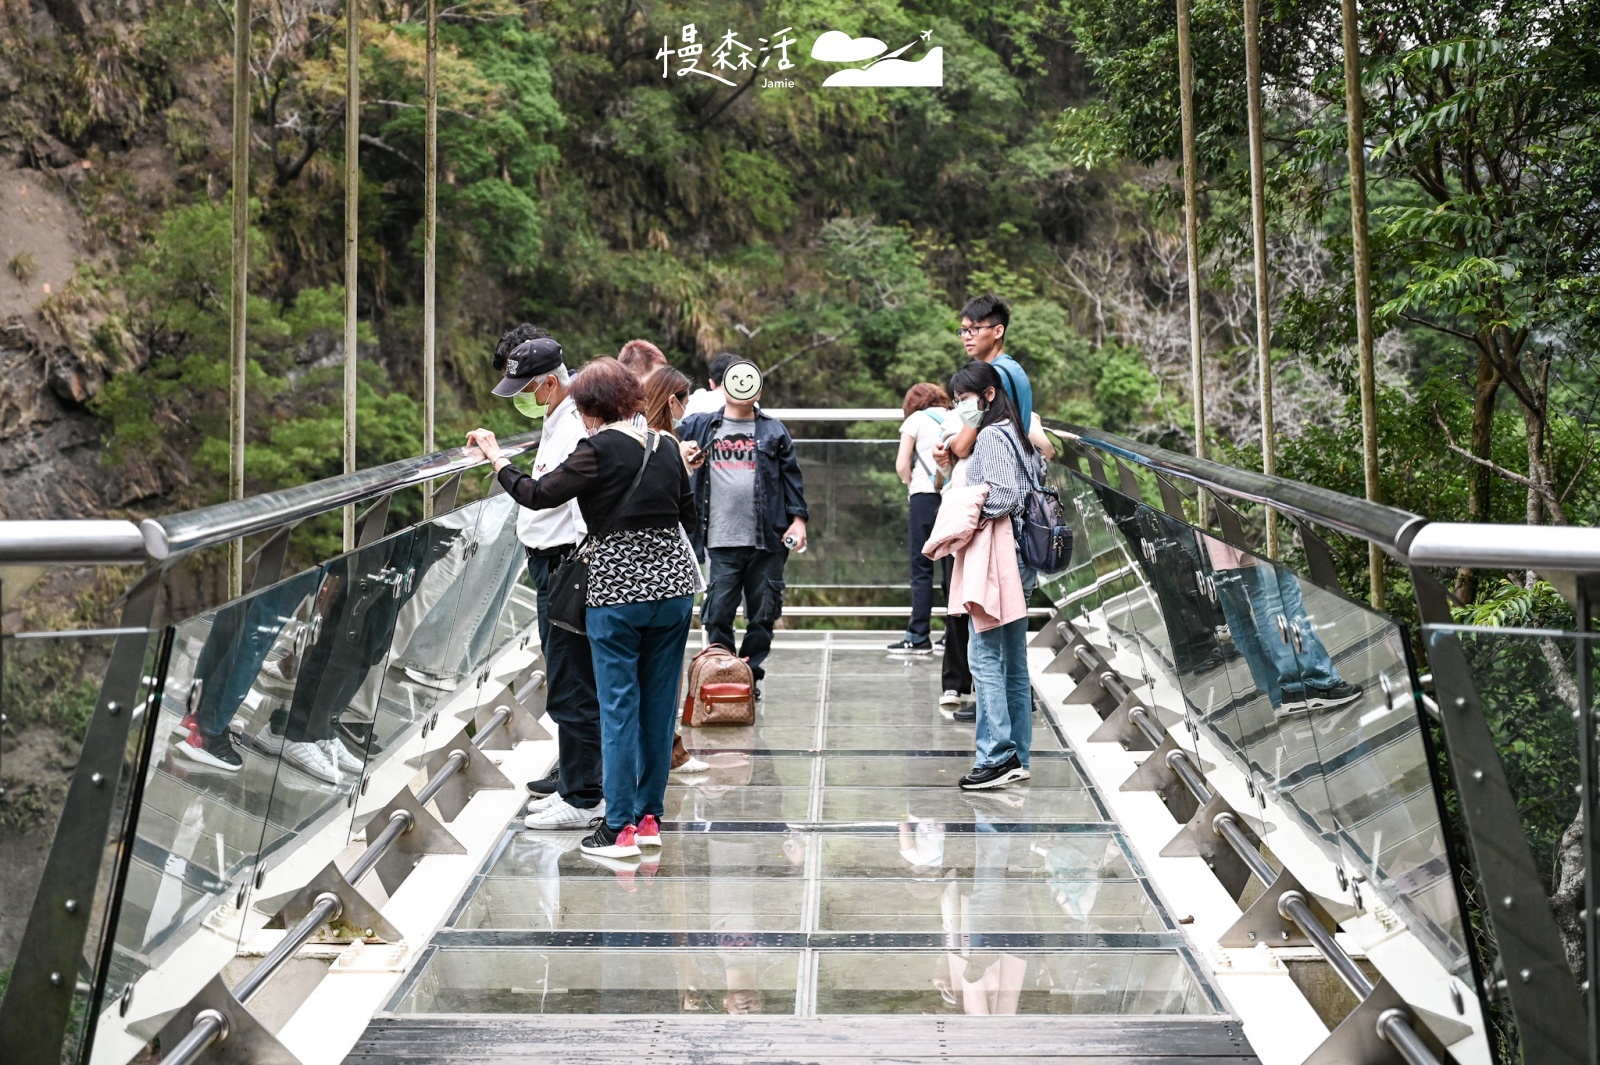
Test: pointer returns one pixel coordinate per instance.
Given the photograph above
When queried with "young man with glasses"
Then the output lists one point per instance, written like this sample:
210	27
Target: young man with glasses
984	323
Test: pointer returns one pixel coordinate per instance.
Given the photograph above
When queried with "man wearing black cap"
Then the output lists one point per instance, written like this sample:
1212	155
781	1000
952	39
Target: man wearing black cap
569	800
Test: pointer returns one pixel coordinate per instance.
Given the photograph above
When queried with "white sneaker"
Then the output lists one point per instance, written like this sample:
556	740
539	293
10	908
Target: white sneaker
432	680
340	755
693	765
951	697
561	815
535	805
269	741
311	758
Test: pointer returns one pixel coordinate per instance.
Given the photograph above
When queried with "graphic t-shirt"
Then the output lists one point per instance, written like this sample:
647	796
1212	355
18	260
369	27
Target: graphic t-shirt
733	485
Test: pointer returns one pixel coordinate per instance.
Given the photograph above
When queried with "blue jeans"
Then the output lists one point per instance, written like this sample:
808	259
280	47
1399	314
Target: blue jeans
242	634
1253	599
999	662
638	657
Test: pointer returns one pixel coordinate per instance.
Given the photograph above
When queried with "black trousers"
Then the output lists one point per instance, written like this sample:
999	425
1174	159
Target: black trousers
756	577
570	698
922	511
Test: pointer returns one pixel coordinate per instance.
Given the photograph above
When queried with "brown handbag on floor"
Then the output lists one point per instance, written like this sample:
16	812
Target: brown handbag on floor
721	690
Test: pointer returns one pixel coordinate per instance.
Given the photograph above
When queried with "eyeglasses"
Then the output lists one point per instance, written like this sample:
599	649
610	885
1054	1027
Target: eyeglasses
972	330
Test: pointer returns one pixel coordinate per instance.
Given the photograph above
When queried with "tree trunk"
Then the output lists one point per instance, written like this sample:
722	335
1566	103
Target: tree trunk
1479	477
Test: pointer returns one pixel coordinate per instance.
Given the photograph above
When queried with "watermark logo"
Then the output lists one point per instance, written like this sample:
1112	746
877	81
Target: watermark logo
880	71
729	57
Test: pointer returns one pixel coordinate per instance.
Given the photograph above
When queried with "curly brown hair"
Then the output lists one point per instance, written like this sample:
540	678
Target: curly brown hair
607	390
660	387
924	395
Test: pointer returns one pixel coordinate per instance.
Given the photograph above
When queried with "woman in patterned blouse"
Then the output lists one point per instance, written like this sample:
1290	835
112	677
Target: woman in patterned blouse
642	580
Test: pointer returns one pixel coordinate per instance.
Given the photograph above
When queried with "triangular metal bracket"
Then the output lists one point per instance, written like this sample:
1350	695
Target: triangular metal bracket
359	918
246	1042
1067	660
1155	774
1262	923
1356	1040
427	836
478	773
1091	691
1198	839
523	725
1119	726
1171	498
1056	632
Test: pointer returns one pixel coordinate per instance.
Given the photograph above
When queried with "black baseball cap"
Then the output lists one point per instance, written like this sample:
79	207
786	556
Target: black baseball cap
530	359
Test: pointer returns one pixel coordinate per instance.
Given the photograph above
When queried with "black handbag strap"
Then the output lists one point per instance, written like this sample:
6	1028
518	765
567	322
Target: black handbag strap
651	440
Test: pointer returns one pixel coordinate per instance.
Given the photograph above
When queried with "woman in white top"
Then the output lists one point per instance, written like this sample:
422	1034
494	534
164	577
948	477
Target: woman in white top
926	408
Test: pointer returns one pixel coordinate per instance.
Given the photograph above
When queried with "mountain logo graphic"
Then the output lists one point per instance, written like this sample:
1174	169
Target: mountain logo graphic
882	71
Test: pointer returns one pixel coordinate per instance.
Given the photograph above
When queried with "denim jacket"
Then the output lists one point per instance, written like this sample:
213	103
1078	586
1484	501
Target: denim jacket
780	491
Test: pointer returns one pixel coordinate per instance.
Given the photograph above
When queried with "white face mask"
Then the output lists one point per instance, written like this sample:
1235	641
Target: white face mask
967	410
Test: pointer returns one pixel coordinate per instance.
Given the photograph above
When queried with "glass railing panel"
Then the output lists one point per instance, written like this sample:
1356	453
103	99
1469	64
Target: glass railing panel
332	726
857	528
1359	703
50	685
205	804
490	613
1528	683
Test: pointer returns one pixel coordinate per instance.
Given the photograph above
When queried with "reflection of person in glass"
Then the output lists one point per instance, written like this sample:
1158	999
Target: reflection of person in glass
235	650
983	980
1264	610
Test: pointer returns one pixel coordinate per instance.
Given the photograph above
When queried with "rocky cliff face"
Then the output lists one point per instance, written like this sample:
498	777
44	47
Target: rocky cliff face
49	441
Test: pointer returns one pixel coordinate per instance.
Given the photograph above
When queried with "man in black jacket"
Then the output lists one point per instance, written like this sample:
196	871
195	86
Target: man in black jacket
751	512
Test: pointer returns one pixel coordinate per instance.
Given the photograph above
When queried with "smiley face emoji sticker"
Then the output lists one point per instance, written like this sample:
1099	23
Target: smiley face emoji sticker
742	381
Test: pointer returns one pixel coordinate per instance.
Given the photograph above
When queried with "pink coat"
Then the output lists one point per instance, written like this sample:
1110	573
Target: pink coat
985	583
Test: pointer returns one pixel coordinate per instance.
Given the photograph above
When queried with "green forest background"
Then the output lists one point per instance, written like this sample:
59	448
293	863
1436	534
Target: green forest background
831	234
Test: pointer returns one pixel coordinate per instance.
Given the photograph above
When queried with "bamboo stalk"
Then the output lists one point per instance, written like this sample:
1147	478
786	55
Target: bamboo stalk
430	152
1361	255
239	297
1258	218
1191	237
352	208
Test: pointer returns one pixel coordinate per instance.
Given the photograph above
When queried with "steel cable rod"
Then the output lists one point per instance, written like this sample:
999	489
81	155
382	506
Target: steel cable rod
210	1026
1394	1025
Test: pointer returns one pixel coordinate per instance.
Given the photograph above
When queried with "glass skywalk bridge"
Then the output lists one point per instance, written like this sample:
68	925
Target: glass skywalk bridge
1257	826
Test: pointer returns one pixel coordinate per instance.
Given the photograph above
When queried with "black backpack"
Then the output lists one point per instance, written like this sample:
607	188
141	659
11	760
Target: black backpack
1045	542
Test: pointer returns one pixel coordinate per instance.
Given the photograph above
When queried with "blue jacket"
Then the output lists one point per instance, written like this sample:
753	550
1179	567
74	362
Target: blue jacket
780	490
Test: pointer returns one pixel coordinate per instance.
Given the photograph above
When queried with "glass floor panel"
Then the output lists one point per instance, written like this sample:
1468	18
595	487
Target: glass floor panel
846	876
995	982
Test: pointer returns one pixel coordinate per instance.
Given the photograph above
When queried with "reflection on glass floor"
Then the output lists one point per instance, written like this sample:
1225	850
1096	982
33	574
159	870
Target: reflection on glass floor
827	864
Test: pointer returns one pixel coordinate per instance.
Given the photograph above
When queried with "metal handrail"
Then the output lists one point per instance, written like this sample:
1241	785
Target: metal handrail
96	542
1408	537
83	542
1390	528
208	526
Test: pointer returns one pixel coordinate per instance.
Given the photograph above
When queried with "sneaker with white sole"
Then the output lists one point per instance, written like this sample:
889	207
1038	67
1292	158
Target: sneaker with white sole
648	831
907	646
216	752
347	762
693	765
608	842
559	815
950	697
995	776
311	759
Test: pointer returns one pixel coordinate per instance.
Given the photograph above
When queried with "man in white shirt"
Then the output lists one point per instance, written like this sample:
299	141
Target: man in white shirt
711	400
571	796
